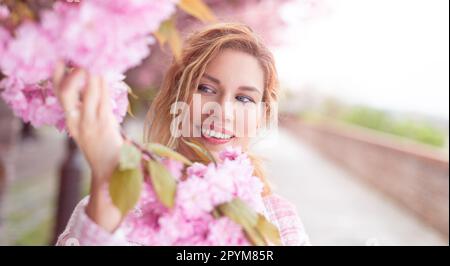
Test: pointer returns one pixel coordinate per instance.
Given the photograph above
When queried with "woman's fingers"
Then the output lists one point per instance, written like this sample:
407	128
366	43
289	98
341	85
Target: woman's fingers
94	103
69	89
91	100
58	75
104	108
68	93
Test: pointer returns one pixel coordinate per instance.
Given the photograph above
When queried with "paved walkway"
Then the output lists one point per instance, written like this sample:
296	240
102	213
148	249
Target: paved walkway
336	208
29	202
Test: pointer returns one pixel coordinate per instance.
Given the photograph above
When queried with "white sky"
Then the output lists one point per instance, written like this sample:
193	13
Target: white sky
387	53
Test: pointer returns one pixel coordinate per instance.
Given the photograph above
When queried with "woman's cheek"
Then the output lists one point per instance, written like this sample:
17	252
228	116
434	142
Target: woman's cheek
241	141
246	122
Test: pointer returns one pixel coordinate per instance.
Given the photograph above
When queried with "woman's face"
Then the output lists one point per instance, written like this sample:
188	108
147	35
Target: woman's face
228	101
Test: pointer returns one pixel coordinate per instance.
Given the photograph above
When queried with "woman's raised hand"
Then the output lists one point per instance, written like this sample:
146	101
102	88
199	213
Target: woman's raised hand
90	121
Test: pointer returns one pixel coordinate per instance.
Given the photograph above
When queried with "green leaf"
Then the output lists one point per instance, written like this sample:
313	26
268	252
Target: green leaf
255	236
130	92
164	151
268	230
125	188
198	9
130	157
168	32
129	110
163	183
216	213
203	153
20	12
238	211
130	95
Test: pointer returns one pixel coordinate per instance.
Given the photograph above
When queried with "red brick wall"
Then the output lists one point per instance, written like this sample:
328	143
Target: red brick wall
415	175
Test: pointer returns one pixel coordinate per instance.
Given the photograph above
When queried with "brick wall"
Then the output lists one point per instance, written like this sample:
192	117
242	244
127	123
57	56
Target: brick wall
415	175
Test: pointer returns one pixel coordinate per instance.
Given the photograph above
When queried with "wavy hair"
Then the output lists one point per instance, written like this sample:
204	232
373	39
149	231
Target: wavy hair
183	76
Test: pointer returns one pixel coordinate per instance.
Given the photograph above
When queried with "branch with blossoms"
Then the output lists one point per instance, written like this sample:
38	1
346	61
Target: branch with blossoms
205	202
104	37
180	202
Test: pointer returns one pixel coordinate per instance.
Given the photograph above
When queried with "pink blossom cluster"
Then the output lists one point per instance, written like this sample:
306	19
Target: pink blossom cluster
105	37
4	12
190	221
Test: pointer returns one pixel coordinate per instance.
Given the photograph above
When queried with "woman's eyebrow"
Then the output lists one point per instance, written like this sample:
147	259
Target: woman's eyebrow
249	88
217	81
213	79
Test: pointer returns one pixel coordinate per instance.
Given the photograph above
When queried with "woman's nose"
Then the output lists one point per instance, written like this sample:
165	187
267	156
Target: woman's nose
226	104
223	112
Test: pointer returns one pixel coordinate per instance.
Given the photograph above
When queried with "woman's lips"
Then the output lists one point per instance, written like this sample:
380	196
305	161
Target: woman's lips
215	141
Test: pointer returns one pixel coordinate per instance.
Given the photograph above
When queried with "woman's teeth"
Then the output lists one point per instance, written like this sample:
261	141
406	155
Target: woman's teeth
214	134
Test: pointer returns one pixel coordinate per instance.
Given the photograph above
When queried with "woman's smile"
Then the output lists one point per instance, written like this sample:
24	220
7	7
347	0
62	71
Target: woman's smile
215	136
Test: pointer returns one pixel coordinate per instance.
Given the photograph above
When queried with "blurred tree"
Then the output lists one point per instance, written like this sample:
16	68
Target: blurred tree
69	190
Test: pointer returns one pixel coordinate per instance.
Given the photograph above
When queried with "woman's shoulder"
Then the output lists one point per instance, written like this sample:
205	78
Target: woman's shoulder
284	214
280	206
277	201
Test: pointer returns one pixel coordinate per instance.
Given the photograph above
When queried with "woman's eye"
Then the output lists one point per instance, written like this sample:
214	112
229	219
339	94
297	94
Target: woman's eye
205	89
245	99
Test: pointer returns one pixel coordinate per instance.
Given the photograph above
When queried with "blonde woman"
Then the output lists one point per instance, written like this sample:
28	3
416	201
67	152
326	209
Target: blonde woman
222	64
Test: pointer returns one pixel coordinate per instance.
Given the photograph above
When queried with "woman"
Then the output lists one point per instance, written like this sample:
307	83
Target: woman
220	65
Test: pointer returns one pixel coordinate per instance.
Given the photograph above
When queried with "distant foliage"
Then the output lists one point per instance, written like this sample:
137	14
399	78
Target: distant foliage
420	131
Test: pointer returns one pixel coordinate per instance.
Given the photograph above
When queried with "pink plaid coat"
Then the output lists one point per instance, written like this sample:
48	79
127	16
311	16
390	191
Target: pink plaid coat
81	230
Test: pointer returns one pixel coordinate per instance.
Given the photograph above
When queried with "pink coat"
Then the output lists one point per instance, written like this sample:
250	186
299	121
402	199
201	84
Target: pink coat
81	230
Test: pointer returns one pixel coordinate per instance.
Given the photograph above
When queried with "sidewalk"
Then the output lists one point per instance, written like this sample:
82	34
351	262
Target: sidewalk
336	208
30	200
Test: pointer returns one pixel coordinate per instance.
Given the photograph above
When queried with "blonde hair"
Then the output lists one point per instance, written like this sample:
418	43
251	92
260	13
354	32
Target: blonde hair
183	77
